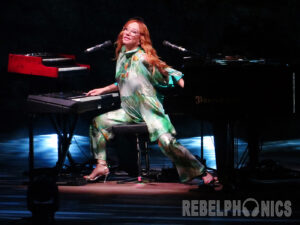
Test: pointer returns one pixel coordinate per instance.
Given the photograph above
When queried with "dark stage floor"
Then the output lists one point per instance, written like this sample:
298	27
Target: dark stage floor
157	202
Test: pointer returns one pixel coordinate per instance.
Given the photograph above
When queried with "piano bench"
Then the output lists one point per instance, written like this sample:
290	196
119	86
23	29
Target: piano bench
140	131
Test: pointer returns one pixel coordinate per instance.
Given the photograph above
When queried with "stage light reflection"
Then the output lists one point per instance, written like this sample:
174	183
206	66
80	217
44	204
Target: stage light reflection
193	144
45	149
14	152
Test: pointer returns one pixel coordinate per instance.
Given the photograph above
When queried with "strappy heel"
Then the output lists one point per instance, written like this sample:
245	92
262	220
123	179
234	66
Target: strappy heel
99	172
212	181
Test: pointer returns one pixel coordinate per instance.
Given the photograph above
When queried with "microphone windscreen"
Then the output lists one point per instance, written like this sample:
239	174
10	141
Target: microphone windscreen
166	43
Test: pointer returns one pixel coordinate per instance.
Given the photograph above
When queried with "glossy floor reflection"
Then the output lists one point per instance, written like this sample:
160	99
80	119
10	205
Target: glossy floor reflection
130	203
45	152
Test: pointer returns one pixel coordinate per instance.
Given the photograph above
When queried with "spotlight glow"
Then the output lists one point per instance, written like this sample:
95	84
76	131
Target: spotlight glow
193	144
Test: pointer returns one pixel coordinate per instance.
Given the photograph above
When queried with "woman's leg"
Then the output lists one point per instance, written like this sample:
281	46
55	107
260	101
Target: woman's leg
100	133
187	165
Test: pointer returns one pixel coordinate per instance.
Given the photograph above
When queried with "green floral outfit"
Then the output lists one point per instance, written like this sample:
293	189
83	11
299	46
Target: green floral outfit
140	102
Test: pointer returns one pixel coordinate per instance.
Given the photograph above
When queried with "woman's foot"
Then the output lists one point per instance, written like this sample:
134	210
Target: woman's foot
100	171
212	181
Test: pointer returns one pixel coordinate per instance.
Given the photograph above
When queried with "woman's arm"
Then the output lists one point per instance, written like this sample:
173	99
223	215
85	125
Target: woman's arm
107	89
159	76
181	83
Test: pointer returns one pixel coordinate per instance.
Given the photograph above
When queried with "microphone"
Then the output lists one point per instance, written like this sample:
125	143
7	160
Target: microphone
98	47
179	48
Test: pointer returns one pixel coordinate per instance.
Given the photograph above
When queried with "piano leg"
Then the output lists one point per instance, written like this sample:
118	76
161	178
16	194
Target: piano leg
253	128
224	149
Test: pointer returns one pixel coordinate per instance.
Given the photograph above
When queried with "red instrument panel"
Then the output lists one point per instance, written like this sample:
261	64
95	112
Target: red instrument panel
43	64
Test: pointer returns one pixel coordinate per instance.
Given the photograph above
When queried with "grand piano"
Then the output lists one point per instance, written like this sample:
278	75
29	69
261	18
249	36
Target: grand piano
228	90
236	87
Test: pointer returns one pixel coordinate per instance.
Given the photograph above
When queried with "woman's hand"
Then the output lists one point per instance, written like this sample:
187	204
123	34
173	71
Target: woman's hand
181	83
97	91
104	90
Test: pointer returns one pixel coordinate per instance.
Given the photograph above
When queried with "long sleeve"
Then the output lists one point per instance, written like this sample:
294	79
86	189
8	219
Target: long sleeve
162	82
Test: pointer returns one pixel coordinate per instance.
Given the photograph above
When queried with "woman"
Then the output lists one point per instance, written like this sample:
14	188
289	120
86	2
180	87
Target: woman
139	72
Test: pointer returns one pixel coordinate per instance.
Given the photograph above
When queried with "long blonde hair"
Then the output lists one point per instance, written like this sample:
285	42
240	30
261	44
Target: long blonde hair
146	44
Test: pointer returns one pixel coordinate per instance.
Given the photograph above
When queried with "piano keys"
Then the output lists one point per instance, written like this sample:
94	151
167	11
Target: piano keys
72	102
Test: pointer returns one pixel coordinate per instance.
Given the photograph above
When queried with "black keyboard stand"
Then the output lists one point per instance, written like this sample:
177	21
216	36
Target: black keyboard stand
64	114
64	125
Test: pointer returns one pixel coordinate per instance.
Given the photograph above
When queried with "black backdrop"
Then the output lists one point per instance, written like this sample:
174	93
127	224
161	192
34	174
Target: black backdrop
251	28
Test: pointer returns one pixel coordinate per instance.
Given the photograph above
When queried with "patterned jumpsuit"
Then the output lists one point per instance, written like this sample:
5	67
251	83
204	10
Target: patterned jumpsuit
140	102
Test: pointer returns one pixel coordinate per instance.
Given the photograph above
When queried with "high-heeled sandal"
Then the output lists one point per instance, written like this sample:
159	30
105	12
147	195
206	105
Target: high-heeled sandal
101	171
212	181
